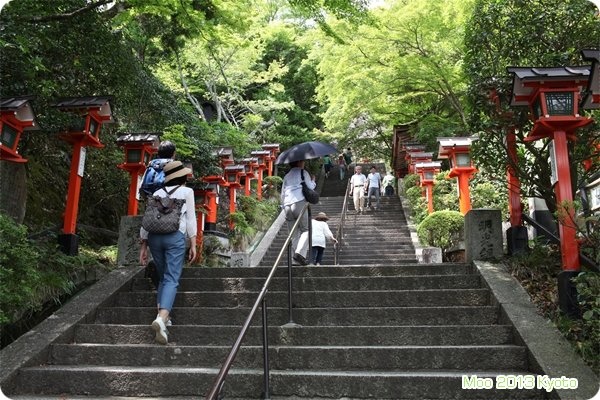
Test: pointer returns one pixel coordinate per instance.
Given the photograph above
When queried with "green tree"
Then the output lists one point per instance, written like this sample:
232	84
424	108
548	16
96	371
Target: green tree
516	33
405	66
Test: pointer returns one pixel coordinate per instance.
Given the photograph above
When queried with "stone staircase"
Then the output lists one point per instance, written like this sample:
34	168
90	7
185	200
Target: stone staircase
405	331
378	326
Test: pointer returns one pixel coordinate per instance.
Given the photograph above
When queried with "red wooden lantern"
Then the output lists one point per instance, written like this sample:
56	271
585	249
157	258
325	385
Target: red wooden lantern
225	156
273	148
553	97
263	159
457	151
418	157
139	149
16	116
233	176
212	200
250	167
427	172
90	114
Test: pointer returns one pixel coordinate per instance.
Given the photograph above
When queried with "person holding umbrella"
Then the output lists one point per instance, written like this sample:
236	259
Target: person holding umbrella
293	201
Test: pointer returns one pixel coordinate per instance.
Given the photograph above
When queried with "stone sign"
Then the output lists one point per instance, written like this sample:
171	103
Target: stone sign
483	234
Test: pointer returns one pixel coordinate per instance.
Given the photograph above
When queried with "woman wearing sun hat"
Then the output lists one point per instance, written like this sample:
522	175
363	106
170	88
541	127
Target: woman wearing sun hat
168	250
320	234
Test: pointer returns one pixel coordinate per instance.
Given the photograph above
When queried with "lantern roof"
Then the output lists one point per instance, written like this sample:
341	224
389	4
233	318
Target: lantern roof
591	99
420	154
76	104
451	144
269	146
22	109
249	160
138	138
234	168
429	165
527	79
260	153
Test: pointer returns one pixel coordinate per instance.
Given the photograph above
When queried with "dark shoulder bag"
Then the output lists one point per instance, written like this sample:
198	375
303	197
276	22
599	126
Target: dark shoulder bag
162	213
310	195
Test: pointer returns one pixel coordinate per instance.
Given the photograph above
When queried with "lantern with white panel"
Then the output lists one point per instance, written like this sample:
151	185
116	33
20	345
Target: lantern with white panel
88	116
553	96
427	172
458	152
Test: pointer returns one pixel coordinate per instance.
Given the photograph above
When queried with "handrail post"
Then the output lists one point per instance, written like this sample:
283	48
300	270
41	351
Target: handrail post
309	252
290	291
267	389
215	391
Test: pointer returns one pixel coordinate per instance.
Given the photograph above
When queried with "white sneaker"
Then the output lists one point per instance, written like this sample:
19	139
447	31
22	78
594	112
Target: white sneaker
168	323
161	331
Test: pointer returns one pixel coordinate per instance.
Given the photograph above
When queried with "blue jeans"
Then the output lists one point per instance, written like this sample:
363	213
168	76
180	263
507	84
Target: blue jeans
168	252
373	191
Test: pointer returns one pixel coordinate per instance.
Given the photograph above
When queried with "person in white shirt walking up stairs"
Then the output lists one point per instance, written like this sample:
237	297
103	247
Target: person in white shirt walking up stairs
357	189
293	201
373	187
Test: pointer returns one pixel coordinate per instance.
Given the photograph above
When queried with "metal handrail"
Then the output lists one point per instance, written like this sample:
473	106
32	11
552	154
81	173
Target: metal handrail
215	390
340	230
585	260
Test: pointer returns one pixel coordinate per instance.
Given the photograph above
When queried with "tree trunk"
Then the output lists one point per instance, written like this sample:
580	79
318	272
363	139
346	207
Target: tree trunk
13	190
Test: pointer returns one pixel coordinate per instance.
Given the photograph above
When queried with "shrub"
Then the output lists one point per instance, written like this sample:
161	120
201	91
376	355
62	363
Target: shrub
410	180
417	204
441	229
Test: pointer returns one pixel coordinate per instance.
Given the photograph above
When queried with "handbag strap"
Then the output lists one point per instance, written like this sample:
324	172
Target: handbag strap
170	192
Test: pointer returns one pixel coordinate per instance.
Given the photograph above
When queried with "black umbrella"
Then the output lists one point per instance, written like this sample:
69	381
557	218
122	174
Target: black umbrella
305	151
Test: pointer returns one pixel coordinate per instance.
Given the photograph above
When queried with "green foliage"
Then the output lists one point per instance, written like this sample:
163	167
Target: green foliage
273	185
32	274
417	204
442	229
251	217
487	195
242	233
536	272
18	269
411	180
588	329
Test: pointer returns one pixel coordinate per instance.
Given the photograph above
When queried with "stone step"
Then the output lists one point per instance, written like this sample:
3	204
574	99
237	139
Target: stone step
345	270
375	316
396	298
197	335
325	283
248	383
405	358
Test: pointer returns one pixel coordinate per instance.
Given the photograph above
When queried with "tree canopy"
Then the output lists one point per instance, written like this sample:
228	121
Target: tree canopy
208	73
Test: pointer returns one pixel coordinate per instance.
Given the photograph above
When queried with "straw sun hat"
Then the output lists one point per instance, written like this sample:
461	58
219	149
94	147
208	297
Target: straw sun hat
322	217
175	169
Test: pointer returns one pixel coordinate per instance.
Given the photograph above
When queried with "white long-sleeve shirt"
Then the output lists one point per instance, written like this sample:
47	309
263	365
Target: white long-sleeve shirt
320	233
291	190
187	221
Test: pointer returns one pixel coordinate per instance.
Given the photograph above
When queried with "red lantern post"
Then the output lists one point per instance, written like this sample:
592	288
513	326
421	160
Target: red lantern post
250	167
427	172
262	156
553	96
16	116
457	150
409	149
139	149
273	148
91	113
233	174
211	201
